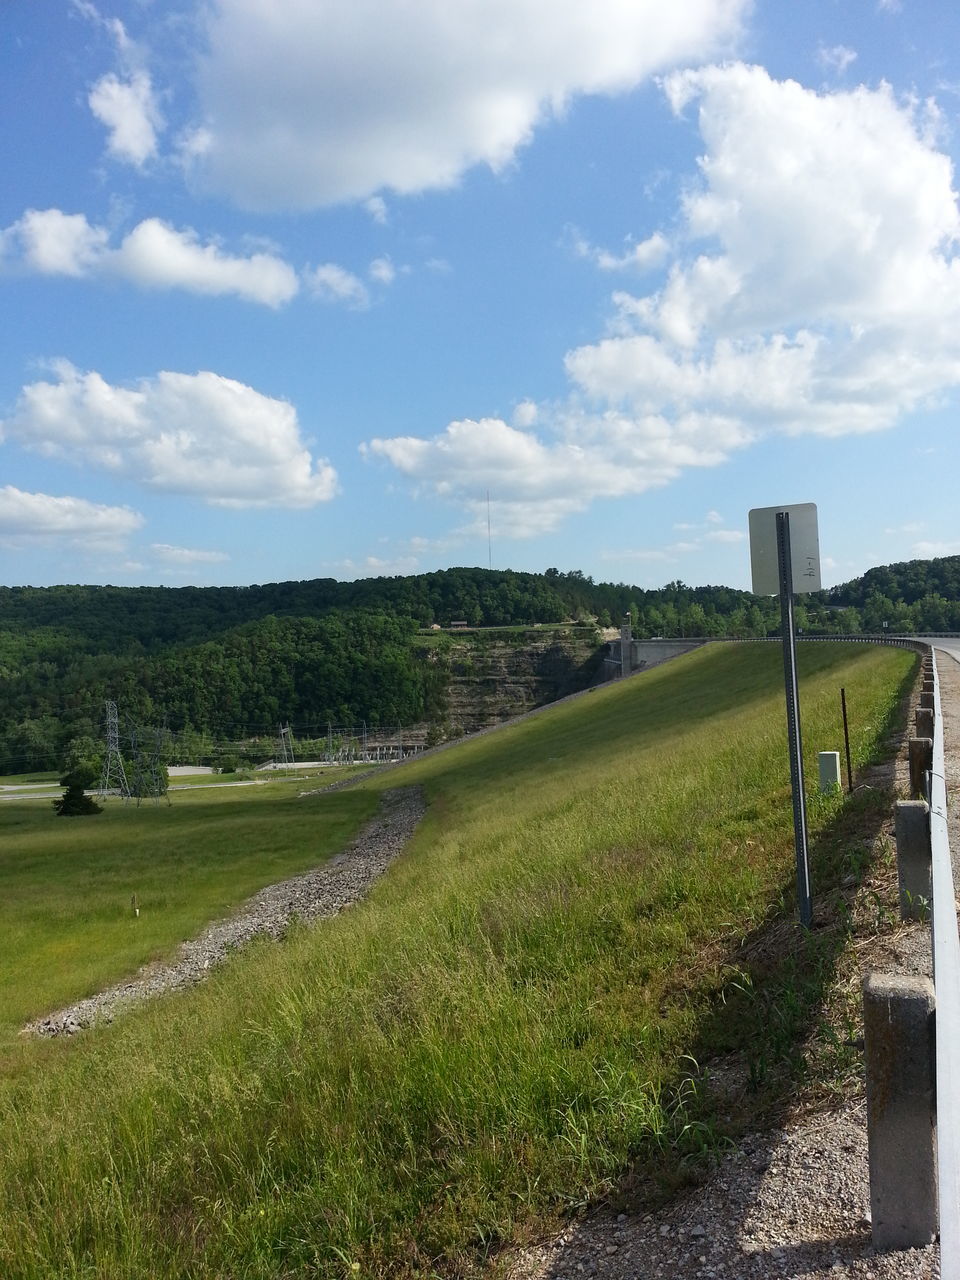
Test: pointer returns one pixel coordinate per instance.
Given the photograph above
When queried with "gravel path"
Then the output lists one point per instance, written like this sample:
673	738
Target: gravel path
790	1203
321	892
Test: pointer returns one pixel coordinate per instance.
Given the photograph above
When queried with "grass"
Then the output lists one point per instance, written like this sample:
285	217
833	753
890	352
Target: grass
503	1031
67	927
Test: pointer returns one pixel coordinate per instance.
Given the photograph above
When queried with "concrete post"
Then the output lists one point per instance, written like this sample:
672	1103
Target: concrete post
920	751
912	823
924	721
828	764
898	1024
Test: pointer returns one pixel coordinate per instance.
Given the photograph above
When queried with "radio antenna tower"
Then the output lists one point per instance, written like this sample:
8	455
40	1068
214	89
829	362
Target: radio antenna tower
489	539
113	776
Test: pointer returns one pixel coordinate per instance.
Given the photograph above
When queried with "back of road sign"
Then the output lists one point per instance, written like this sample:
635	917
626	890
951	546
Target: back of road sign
804	548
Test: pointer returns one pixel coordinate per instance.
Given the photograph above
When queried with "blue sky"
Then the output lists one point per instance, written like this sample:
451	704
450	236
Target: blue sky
335	288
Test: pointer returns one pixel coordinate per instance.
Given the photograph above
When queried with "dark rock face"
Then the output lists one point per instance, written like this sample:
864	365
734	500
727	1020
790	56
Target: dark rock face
493	679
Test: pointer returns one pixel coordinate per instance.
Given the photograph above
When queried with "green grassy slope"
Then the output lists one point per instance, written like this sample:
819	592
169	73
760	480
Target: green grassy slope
498	1032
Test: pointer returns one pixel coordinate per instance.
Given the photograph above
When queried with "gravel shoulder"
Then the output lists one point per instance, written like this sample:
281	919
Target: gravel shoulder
316	894
792	1202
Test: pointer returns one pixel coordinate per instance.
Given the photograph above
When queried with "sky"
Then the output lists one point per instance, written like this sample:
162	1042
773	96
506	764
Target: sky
347	288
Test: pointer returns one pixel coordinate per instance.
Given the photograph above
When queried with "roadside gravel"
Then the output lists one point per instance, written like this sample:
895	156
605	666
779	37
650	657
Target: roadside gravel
324	891
794	1202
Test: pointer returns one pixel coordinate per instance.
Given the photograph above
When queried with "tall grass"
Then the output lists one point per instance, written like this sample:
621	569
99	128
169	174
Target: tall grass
498	1032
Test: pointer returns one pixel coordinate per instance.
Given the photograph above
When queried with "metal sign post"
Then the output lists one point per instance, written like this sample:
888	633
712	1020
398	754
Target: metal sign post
786	561
794	739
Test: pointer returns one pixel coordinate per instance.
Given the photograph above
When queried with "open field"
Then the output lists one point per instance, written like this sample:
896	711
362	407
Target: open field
503	1031
67	928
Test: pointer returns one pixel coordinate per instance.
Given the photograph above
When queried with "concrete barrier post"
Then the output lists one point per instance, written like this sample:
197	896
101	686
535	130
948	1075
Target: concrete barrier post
828	765
912	826
920	752
898	1021
924	721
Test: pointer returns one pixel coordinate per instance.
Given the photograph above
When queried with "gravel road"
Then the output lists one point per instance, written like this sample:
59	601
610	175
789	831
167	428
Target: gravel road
791	1203
323	891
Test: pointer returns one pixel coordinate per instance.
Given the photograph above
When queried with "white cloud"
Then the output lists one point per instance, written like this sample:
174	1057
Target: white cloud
153	254
536	483
934	550
525	414
186	555
814	287
382	270
725	535
38	515
836	58
376	206
157	255
378	567
331	283
645	256
196	434
55	243
129	111
304	105
827	298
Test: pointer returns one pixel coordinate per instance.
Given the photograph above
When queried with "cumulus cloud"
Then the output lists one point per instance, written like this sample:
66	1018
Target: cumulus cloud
535	483
827	297
129	111
813	287
307	105
200	434
153	254
55	243
157	255
40	516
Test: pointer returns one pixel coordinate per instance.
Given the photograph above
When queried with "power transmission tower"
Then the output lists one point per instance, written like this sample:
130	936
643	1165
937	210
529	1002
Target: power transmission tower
113	776
285	746
149	764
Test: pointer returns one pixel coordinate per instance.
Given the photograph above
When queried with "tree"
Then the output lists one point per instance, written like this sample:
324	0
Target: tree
75	803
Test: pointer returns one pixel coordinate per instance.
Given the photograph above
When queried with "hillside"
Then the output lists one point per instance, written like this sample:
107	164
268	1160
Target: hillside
223	667
508	1028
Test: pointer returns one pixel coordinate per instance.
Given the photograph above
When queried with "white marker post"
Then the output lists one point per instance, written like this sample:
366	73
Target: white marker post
785	559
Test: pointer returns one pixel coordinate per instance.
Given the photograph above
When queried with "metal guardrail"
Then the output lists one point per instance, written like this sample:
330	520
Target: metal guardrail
946	974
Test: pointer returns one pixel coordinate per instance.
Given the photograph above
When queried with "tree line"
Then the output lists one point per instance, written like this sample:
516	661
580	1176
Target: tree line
235	661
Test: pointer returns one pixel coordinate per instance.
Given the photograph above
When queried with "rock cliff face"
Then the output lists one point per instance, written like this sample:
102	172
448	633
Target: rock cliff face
492	676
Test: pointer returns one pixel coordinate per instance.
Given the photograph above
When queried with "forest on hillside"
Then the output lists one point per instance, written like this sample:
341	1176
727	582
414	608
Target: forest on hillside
235	662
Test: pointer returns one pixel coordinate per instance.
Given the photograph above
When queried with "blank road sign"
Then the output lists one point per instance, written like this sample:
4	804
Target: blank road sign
804	548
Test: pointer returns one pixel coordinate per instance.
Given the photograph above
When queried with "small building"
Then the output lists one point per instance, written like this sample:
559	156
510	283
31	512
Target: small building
458	626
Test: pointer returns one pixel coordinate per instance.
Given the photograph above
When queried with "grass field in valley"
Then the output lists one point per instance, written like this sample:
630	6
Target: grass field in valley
67	928
501	1032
